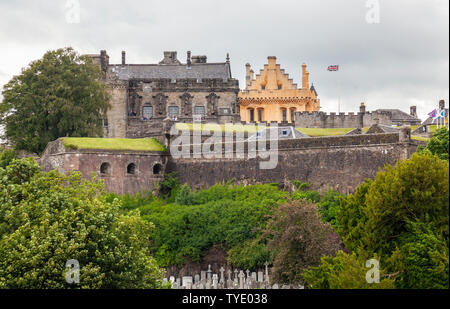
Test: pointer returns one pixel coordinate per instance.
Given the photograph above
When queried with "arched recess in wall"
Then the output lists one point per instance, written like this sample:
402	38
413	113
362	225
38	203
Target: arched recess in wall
157	169
131	169
105	168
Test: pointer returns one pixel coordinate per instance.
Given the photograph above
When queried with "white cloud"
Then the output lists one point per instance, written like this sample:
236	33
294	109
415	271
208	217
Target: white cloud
403	60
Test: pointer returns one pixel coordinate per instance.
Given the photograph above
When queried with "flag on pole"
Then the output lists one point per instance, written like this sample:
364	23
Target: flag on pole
433	114
333	68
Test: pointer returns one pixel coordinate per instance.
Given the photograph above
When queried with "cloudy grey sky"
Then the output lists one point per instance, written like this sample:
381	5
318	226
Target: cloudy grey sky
403	60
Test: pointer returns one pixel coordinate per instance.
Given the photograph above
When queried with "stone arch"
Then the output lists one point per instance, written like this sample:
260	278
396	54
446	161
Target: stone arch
157	169
105	168
131	169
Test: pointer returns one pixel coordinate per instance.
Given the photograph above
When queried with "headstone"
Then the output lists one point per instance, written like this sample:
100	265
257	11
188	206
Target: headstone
241	280
266	264
236	278
260	276
254	276
203	275
197	279
209	273
222	276
215	281
187	280
275	286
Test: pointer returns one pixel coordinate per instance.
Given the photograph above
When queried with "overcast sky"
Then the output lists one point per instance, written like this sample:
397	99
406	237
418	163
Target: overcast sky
400	61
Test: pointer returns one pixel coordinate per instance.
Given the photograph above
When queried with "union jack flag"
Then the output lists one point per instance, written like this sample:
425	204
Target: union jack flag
333	68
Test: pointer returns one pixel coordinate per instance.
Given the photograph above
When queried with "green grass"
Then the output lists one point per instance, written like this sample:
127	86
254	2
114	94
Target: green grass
314	132
142	144
224	128
420	138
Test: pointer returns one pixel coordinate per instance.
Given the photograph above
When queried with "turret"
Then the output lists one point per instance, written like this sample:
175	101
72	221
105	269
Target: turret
305	77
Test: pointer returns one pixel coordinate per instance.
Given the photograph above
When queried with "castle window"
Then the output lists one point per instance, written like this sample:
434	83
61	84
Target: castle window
199	110
173	110
105	168
293	115
280	87
147	112
284	112
157	168
252	115
263	87
131	169
260	112
147	88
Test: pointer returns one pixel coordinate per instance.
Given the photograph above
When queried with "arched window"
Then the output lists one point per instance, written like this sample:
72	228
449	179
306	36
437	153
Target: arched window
131	169
157	168
105	168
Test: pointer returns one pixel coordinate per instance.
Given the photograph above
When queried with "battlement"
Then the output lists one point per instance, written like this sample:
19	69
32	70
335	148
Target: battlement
388	117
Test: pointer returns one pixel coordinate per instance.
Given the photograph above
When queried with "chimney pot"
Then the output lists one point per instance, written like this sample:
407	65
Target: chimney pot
123	57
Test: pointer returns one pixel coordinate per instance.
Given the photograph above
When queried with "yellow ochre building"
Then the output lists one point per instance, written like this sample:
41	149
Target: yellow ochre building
273	96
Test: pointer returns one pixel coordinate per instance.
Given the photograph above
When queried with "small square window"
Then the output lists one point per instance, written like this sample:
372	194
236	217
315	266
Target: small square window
147	87
173	110
147	112
284	133
199	110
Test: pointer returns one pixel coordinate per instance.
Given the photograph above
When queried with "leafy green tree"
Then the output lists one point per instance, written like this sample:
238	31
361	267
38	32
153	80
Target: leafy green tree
403	217
423	260
298	238
47	219
438	144
329	205
56	96
345	271
6	157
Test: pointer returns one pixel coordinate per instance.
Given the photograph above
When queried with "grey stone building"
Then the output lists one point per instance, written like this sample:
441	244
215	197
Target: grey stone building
143	95
387	117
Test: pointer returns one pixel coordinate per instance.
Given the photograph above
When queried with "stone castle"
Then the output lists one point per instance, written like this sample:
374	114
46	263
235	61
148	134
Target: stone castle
148	99
273	96
142	95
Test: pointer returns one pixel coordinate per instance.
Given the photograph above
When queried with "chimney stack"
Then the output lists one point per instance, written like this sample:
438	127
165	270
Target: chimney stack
189	58
248	75
362	108
441	104
413	111
123	57
305	77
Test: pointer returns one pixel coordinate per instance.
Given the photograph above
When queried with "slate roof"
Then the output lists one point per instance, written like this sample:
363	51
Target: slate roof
172	71
283	133
398	114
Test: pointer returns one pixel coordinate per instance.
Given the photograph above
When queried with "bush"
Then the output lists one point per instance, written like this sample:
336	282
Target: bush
47	219
298	238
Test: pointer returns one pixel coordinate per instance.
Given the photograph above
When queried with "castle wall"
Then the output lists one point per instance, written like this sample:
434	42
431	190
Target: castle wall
342	120
339	162
342	163
117	179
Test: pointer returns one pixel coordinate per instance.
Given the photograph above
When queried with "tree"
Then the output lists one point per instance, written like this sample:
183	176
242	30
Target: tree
403	217
47	219
345	271
56	96
438	144
298	238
